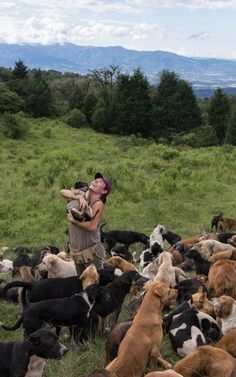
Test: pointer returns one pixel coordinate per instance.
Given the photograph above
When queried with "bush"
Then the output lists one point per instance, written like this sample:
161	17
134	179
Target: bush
76	119
13	126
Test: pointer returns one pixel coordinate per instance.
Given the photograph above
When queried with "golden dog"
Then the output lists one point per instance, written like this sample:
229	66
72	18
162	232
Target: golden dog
222	278
141	345
206	361
227	342
120	263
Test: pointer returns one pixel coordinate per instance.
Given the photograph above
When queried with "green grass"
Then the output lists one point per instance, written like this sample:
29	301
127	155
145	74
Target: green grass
181	188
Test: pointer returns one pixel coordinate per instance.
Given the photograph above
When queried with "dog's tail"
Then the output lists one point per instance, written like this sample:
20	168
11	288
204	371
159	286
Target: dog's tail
12	327
13	284
102	226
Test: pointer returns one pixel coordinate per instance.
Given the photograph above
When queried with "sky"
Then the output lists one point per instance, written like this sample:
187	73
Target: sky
198	28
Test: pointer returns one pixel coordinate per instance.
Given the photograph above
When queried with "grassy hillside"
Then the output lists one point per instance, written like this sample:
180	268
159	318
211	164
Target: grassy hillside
180	188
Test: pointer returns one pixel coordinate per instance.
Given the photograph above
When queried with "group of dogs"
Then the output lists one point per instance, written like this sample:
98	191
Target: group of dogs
200	311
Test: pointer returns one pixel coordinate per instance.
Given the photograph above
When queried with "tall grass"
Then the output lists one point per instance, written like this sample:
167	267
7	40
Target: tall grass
181	188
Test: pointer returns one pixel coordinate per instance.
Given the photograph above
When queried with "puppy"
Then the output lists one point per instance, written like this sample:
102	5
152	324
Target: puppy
89	276
147	325
56	267
206	361
225	309
120	263
156	237
19	359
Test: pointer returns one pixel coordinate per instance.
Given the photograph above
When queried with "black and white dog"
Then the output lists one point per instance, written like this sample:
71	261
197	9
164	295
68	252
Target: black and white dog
191	329
69	311
27	358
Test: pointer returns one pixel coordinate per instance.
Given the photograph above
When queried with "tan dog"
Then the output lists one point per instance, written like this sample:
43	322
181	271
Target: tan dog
56	267
25	273
226	224
65	256
225	309
206	361
89	276
120	263
227	254
166	271
166	373
200	302
222	278
141	344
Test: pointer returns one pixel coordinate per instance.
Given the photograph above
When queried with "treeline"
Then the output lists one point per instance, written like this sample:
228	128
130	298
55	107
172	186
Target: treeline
112	102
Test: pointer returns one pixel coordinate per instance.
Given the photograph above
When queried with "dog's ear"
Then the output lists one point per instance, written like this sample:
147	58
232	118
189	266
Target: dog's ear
226	307
160	290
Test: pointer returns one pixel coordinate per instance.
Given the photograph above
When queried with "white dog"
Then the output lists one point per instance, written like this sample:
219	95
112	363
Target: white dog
56	267
156	236
6	265
166	271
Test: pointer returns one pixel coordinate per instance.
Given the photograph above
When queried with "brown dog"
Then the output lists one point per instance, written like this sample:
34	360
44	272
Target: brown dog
89	276
225	310
227	342
206	361
226	254
166	373
226	224
222	278
200	302
120	263
141	344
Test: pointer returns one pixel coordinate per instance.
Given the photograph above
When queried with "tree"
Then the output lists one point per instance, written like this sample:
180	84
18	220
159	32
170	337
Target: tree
175	106
132	105
105	76
20	70
89	105
76	119
40	101
76	98
230	137
219	113
9	101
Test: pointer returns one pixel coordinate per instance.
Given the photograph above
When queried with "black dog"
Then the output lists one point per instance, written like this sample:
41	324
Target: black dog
171	237
122	252
70	311
15	357
225	236
110	298
188	287
202	266
47	289
124	237
215	220
19	261
20	250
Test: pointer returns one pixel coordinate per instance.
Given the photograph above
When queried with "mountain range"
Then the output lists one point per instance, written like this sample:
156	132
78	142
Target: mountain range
202	73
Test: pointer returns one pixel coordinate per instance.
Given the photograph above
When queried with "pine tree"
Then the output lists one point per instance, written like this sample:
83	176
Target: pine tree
175	106
20	70
40	101
219	113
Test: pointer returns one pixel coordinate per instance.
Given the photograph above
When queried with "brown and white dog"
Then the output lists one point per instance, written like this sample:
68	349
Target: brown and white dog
225	309
200	302
146	326
56	267
222	278
209	247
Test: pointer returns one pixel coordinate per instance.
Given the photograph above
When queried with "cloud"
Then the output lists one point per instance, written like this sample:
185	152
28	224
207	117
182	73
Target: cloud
201	35
48	30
